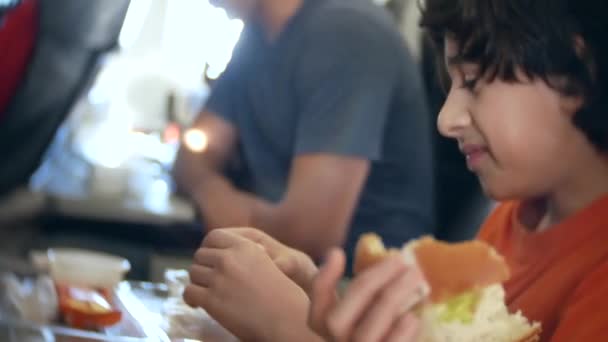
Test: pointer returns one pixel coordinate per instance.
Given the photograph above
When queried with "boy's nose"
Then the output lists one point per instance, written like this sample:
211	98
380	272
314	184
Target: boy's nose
454	117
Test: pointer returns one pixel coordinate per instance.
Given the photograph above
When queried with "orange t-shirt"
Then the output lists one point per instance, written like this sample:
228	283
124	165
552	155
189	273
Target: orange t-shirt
559	276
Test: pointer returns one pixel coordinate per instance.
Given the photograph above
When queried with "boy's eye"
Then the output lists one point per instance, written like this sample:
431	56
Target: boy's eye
469	74
469	83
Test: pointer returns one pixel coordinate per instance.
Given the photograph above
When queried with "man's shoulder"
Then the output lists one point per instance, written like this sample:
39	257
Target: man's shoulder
355	16
360	8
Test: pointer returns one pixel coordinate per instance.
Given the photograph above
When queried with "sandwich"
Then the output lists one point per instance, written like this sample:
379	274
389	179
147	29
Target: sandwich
464	300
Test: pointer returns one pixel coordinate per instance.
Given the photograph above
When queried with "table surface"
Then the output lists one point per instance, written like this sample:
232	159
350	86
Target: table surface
142	305
138	323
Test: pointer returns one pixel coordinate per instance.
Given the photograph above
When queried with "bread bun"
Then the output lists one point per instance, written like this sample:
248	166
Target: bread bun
453	270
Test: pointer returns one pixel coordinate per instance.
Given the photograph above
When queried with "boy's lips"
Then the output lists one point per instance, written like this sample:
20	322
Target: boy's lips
474	155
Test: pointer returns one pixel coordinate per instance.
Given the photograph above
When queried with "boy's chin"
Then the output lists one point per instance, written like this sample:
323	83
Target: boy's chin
498	192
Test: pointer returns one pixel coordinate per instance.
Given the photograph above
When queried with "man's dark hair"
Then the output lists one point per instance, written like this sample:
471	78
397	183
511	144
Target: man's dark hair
563	42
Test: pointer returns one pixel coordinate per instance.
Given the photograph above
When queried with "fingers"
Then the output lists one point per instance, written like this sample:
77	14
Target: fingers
291	260
389	306
196	296
405	329
207	257
361	294
287	259
252	234
324	295
222	239
202	276
271	245
287	264
417	289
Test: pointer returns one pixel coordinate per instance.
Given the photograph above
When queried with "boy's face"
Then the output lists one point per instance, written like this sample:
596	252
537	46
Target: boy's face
515	135
241	9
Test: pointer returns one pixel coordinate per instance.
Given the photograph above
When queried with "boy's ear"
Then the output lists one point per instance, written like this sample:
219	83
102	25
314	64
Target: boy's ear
570	105
569	102
579	45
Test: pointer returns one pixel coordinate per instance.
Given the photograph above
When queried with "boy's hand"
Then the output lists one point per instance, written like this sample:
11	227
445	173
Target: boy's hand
298	266
375	305
239	285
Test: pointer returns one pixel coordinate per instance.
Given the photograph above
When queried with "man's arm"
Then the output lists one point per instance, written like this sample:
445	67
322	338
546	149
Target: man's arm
199	174
315	212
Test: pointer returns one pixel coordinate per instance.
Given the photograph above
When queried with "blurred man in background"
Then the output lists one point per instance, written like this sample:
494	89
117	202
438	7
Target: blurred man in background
326	106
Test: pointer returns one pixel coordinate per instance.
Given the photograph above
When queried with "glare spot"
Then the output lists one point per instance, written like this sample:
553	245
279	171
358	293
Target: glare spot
196	140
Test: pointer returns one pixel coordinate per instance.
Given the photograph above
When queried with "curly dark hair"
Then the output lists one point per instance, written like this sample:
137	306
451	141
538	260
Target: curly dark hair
563	42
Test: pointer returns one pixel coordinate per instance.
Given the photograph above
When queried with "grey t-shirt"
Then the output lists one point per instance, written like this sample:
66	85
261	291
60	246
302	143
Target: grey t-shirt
339	80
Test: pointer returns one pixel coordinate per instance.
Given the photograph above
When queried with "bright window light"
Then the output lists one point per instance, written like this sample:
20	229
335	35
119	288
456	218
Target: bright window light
134	21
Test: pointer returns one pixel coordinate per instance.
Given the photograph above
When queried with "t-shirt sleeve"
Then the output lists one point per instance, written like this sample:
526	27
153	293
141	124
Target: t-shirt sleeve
345	79
586	316
229	90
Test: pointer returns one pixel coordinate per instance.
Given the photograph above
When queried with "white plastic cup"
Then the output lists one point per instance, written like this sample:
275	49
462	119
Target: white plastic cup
87	268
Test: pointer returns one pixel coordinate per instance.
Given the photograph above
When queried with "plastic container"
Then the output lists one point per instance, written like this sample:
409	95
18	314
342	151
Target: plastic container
87	268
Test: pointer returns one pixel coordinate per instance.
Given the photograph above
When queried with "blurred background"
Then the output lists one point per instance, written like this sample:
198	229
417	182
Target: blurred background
89	132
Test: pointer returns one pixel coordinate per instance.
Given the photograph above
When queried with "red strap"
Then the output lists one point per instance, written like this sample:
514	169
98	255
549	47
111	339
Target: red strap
18	32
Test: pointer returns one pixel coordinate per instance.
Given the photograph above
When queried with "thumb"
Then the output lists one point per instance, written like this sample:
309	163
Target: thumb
323	295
